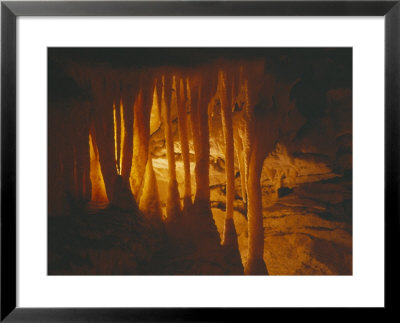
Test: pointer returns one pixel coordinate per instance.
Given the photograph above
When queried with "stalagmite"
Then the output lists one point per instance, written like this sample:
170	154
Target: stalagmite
173	201
229	228
150	200
98	193
255	258
183	134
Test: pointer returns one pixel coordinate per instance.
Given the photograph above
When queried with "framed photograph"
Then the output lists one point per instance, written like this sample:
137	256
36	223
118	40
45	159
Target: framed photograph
197	160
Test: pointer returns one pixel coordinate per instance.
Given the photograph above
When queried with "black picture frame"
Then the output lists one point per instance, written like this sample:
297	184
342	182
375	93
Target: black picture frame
10	10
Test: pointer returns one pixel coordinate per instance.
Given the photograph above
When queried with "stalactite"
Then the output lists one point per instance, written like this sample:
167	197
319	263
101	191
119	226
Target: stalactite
245	132
201	93
150	201
127	97
229	238
193	94
98	193
238	133
135	177
155	115
120	195
173	201
116	138
183	134
119	134
123	132
141	126
104	91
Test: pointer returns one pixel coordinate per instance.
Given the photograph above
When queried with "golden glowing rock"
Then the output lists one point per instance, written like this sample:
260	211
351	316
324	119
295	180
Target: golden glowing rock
96	176
173	200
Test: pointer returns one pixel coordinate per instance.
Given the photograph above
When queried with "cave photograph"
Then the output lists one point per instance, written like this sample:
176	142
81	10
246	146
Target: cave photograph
199	161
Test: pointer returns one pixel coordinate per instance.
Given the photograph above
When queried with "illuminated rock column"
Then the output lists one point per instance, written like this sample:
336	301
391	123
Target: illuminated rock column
239	152
98	191
141	135
127	96
173	200
259	141
104	94
183	135
246	132
229	228
255	258
199	122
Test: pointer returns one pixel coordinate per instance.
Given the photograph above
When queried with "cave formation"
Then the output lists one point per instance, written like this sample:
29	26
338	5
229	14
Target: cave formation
183	104
169	102
156	142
